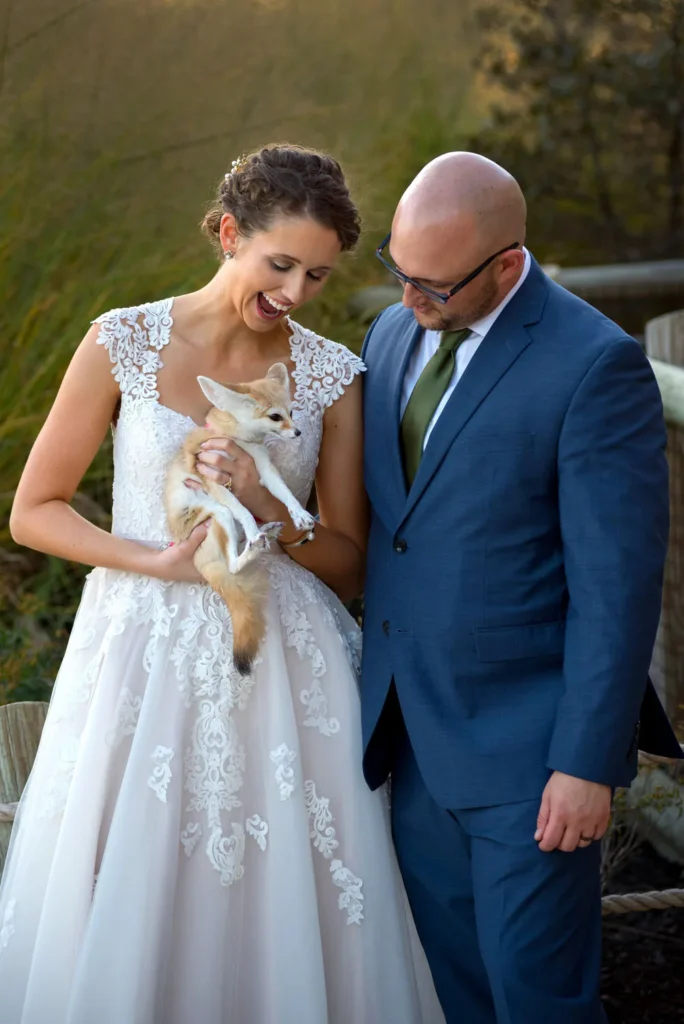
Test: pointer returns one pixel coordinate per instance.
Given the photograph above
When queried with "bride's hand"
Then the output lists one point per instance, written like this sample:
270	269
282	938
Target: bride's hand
176	561
225	462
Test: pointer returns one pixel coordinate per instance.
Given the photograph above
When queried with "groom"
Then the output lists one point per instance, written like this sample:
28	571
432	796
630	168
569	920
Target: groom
516	470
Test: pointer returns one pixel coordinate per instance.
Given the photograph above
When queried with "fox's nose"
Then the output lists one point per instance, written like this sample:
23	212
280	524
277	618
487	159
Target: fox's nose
297	432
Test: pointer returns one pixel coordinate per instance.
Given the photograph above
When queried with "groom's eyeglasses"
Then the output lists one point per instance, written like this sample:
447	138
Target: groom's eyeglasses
442	297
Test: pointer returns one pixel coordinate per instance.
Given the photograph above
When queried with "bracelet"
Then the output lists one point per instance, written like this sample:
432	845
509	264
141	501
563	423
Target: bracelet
302	538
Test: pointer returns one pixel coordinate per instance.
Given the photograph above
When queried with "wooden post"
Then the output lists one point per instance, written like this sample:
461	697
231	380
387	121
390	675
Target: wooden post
20	728
665	338
665	341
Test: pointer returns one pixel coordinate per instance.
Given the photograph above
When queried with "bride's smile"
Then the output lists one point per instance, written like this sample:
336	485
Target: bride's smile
272	273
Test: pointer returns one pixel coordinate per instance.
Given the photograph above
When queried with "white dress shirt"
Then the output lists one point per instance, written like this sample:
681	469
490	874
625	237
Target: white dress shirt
429	343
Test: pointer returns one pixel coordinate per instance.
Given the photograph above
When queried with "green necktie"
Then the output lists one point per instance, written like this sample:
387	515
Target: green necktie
425	397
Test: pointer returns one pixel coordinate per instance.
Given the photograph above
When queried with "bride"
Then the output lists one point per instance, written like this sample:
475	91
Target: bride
195	846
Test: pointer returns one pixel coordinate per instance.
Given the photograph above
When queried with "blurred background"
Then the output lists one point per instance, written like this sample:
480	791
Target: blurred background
119	117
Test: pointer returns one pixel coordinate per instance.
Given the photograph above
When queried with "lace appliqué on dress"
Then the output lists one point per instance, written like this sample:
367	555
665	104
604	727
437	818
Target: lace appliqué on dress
226	853
133	337
127	714
123	598
143	444
283	757
323	369
161	773
294	590
258	830
190	836
321	832
351	897
214	759
324	838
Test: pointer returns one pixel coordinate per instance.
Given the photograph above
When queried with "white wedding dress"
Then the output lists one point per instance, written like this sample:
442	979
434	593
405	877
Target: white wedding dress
194	847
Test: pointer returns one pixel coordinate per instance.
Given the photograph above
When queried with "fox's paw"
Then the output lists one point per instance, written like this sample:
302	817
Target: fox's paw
271	531
301	519
255	543
262	540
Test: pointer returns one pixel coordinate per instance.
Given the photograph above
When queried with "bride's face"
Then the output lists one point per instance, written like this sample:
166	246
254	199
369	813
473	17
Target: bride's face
275	271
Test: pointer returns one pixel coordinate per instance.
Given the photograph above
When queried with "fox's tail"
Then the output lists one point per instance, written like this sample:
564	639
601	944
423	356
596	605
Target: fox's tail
244	593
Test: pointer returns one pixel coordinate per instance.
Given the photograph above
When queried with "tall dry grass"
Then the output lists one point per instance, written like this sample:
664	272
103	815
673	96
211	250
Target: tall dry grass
117	118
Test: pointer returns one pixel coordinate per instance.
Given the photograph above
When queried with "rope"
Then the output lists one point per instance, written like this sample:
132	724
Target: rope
623	904
633	901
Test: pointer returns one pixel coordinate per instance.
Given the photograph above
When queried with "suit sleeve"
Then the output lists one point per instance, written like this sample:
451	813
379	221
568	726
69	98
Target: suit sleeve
614	519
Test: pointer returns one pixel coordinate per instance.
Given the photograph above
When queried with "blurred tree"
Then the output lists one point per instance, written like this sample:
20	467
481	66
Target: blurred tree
587	109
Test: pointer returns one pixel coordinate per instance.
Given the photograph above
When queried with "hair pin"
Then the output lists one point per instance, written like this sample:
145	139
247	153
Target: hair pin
235	167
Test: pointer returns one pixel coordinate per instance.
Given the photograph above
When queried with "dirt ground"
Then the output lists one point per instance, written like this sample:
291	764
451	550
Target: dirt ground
643	954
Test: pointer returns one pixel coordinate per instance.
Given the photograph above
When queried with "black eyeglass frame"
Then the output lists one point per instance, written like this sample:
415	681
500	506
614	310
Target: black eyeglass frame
442	297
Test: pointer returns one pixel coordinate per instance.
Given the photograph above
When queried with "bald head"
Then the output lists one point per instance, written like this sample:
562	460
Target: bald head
463	213
467	195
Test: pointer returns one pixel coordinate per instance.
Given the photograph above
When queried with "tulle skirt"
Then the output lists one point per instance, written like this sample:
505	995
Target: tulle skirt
194	847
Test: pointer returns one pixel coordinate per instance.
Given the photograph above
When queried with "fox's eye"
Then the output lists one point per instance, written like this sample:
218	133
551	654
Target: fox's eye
276	417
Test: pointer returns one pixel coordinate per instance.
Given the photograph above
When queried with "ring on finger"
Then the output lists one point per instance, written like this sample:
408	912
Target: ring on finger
586	839
229	483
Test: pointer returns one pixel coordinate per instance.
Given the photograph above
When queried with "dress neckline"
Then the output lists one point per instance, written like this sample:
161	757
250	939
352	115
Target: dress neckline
295	329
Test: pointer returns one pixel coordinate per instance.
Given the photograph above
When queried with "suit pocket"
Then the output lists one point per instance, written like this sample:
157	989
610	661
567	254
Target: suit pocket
510	643
489	444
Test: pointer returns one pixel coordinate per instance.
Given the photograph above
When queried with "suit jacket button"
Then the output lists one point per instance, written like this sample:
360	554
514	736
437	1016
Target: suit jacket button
400	547
386	628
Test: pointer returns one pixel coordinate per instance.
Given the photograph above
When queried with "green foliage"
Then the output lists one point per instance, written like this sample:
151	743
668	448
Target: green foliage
35	619
588	112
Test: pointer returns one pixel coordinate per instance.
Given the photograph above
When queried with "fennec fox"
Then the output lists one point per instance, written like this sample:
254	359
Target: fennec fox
248	414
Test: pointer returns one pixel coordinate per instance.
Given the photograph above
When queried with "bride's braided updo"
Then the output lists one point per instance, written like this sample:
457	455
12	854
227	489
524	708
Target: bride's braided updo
290	181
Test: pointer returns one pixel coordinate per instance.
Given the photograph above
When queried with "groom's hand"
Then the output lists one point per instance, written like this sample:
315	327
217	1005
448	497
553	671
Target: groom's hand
573	813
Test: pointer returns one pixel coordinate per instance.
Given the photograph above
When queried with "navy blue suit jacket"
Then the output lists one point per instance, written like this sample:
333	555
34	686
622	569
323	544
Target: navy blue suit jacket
513	593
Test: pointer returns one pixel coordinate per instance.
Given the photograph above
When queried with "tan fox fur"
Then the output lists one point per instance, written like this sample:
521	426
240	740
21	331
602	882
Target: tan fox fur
228	558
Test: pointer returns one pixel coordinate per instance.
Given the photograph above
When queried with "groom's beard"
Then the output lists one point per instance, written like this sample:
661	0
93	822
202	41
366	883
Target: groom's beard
441	318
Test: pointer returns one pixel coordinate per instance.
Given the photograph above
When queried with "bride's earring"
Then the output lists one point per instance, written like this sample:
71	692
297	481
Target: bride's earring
228	254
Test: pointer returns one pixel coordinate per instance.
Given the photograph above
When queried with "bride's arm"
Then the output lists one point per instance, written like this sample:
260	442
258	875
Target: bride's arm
77	424
337	553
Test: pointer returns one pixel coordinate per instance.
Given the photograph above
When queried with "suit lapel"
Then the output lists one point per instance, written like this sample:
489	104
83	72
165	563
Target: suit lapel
497	352
383	419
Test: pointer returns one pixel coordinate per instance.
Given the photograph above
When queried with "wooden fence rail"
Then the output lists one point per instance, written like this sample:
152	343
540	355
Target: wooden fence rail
20	727
665	347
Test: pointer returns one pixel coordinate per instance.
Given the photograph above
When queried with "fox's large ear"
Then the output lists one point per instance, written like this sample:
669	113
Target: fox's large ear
278	373
224	398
